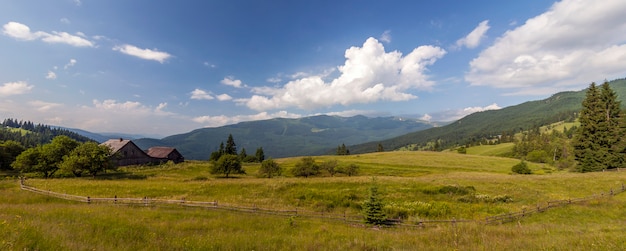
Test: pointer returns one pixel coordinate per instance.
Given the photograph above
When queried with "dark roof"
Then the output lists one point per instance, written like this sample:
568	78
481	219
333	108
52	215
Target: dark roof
160	152
116	144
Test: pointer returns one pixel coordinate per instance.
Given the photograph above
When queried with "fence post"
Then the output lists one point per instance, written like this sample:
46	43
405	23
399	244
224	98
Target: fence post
611	191
115	199
622	187
145	201
182	200
88	200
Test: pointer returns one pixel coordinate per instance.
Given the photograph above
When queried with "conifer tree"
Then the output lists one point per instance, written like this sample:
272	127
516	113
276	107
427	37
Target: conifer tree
597	142
231	147
373	208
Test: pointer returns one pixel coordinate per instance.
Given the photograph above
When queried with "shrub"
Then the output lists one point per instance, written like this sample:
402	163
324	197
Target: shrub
521	168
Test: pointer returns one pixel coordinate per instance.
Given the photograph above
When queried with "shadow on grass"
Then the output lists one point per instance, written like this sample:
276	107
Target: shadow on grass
122	176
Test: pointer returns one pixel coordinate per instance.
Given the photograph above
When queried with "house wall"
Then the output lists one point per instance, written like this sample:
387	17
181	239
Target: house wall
131	155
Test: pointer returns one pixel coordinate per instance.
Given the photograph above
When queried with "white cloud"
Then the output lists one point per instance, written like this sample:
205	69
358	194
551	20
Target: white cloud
15	88
368	75
43	106
70	64
473	39
146	54
231	81
224	97
221	120
274	80
386	36
201	94
22	32
566	47
65	21
51	75
452	115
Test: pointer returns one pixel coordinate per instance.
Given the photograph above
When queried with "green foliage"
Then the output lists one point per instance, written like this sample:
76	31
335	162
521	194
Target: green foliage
31	135
373	208
407	209
260	155
227	164
45	159
461	150
350	170
451	190
343	150
305	167
231	147
88	158
9	150
329	166
270	168
521	168
599	144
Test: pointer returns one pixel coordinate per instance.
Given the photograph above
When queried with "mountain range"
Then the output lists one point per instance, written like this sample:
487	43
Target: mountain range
322	134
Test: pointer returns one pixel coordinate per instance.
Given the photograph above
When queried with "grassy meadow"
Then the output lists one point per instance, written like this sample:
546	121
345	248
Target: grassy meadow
413	185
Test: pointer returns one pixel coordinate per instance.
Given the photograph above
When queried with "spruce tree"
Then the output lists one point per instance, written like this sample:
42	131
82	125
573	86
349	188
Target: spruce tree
231	147
373	208
597	141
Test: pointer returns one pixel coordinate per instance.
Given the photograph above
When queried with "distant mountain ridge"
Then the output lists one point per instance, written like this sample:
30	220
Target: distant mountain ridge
282	137
559	107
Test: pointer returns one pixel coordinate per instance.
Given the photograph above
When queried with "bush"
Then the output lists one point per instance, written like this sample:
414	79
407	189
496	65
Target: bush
305	167
521	168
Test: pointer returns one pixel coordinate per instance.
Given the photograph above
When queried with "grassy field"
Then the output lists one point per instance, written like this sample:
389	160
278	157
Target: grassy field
413	185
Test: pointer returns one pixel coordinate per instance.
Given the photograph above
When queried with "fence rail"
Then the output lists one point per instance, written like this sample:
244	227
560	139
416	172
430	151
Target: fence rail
145	201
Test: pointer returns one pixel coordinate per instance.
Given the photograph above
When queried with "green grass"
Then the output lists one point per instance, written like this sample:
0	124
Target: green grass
491	150
35	222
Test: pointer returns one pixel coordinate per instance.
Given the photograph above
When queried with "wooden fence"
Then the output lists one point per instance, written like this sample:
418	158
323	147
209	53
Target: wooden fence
145	201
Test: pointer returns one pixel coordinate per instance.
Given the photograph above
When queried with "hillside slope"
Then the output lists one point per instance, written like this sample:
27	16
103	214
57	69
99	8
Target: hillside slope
289	137
476	126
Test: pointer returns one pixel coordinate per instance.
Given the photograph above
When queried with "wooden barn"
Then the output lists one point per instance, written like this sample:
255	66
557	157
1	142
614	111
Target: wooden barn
164	154
126	153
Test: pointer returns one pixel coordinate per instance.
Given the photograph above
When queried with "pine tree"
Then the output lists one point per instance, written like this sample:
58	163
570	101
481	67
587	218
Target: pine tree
231	147
373	208
597	142
260	156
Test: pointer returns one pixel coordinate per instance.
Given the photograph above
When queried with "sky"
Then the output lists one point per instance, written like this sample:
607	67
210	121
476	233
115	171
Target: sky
159	68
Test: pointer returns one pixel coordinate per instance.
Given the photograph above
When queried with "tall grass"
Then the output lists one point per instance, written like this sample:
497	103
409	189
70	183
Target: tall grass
415	185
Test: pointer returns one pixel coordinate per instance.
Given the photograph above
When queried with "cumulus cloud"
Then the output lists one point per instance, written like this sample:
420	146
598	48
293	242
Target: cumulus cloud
368	75
51	75
221	120
224	97
231	81
201	94
15	88
22	32
473	39
566	47
146	54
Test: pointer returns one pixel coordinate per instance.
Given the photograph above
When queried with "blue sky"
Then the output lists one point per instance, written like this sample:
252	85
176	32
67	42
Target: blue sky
167	67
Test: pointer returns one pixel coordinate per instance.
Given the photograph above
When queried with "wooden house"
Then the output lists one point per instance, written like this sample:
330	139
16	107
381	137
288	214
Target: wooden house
164	154
126	153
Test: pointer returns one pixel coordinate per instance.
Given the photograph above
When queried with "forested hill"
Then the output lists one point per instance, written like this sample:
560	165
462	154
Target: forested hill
30	134
488	124
289	137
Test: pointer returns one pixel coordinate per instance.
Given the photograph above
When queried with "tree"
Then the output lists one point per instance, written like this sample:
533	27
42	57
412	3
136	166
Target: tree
260	156
270	168
217	154
330	166
47	158
227	164
30	161
597	142
231	147
243	154
305	167
373	208
9	150
343	150
380	148
89	158
521	168
349	170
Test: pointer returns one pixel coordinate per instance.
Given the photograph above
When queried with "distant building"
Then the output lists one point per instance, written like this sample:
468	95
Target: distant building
126	153
165	154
